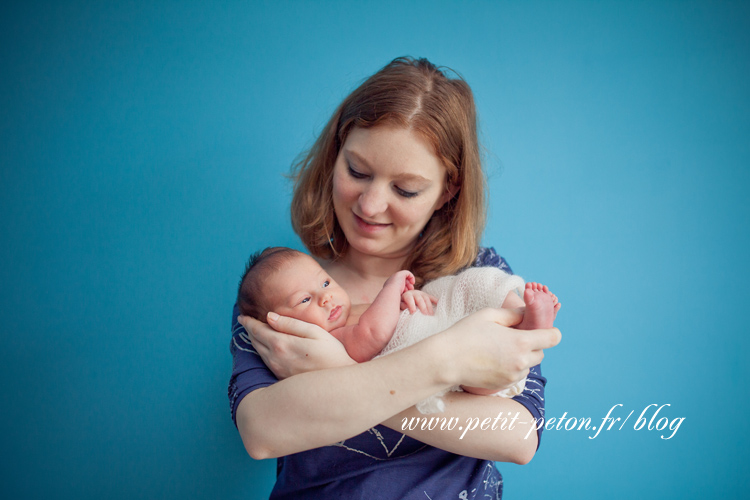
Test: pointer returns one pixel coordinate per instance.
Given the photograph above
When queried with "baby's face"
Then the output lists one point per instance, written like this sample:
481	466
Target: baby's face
303	290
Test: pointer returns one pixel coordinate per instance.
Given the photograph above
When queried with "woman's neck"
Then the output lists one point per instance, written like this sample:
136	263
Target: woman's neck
363	276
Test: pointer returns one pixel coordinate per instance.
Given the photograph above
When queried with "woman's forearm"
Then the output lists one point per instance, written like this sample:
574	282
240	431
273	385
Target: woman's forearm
319	408
486	427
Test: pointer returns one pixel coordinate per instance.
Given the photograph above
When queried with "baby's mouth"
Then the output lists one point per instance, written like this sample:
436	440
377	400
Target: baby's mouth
335	313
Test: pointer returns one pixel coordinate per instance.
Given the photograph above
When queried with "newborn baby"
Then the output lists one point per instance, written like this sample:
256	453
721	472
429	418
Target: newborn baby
291	283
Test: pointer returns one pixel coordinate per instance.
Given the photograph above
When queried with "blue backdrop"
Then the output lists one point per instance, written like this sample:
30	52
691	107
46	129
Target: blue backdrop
143	153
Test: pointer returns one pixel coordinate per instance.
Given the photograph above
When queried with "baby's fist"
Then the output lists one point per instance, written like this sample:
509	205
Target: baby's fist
404	279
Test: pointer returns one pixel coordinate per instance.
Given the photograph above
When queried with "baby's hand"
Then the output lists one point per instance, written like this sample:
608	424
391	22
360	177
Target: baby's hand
417	299
403	279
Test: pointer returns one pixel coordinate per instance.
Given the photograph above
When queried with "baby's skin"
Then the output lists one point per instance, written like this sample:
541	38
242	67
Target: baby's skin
540	312
303	290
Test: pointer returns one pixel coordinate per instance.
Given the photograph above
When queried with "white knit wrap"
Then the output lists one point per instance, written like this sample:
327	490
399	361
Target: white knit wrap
458	296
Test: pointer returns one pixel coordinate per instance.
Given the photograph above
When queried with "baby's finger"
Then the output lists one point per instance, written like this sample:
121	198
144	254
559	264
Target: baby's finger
419	301
405	301
410	302
426	306
409	281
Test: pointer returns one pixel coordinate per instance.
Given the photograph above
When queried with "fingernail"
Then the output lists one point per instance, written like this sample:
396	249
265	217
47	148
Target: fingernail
273	316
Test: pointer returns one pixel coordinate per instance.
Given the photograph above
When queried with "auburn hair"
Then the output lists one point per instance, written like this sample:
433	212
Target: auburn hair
417	95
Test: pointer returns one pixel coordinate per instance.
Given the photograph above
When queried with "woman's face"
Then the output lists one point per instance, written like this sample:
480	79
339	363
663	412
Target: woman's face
387	182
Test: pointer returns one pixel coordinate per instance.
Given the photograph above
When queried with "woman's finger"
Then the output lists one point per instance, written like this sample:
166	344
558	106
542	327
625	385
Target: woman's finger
253	327
292	326
535	357
263	351
543	338
503	316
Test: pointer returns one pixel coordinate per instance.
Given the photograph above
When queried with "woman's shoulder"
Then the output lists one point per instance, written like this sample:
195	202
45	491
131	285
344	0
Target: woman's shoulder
488	256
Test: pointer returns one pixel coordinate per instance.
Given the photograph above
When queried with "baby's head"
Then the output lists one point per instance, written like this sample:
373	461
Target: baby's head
291	283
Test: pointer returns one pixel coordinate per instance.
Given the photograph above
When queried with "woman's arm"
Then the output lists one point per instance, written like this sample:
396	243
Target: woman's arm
322	407
513	438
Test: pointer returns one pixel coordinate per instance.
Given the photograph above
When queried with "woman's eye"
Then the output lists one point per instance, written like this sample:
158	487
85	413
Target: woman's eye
326	283
406	194
355	174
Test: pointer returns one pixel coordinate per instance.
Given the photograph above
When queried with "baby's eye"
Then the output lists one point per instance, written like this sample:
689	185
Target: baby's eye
326	283
305	300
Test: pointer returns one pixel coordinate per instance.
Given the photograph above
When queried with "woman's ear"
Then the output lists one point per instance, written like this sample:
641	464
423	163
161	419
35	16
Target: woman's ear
451	190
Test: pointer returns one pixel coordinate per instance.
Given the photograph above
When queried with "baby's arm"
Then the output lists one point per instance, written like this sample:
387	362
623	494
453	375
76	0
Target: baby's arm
377	324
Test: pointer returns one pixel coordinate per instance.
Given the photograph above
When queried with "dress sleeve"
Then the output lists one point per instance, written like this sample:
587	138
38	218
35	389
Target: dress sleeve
248	370
533	395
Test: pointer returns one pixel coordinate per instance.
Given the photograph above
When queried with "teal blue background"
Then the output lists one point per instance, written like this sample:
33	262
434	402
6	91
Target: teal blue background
143	153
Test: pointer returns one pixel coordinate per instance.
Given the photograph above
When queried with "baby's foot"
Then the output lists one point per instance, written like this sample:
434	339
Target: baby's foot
541	307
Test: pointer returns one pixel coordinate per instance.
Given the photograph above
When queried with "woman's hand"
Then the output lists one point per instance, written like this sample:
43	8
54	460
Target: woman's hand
487	353
293	346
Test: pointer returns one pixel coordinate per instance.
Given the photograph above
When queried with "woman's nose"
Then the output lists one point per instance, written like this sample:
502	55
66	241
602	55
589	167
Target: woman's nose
372	201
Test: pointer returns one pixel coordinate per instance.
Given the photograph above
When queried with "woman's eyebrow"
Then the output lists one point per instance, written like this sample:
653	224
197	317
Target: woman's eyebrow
359	158
412	177
402	176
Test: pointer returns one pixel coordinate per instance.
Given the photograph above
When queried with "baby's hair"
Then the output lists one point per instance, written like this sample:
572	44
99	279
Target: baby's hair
250	296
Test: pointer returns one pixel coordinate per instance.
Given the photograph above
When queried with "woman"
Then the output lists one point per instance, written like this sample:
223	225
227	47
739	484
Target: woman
394	182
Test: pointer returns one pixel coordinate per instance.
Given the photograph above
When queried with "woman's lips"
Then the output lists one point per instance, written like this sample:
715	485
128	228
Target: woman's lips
368	227
335	313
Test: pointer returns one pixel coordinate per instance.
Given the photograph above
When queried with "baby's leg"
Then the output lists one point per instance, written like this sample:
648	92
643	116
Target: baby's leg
541	309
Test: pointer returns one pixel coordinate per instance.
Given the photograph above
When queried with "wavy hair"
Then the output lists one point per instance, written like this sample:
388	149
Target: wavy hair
417	95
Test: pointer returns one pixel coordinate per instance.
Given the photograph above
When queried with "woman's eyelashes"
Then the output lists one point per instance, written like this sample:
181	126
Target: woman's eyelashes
355	174
406	194
401	192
